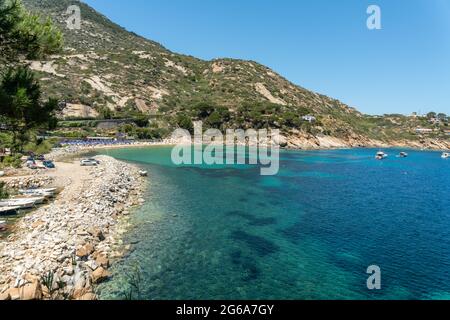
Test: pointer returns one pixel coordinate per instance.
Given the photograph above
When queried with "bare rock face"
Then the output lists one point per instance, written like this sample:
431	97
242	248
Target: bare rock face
100	275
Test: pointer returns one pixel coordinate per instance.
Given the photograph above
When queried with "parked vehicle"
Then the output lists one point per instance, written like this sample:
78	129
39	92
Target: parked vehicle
88	163
48	164
32	165
94	160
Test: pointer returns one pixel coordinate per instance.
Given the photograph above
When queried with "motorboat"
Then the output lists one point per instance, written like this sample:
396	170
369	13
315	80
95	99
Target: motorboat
403	155
381	155
445	155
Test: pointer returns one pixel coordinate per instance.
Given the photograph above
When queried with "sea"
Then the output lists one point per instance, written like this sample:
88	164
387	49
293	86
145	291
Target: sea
308	233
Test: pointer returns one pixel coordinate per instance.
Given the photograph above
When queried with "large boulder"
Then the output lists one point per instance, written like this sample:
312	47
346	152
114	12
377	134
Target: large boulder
96	233
31	291
102	261
14	293
100	275
85	251
88	297
5	296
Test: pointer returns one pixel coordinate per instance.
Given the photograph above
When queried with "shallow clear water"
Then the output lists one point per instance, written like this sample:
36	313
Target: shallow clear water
308	233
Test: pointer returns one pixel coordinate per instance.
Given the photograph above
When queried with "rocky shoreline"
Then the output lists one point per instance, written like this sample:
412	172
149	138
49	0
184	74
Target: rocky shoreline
62	250
304	141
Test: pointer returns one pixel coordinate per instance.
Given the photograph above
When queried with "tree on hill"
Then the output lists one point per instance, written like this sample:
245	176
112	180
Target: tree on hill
24	36
21	106
431	115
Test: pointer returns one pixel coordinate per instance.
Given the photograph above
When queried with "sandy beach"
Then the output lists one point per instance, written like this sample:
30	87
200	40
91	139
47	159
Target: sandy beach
64	248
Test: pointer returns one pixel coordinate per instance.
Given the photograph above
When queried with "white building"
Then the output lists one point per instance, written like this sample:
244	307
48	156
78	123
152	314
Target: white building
423	131
309	118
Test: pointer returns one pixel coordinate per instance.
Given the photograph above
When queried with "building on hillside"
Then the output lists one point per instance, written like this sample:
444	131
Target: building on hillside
309	118
424	131
435	121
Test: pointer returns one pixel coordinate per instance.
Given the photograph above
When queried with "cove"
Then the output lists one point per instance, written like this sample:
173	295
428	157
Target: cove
309	232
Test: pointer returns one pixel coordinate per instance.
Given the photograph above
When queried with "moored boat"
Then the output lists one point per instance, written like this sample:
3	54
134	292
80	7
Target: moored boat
381	155
403	155
445	155
143	173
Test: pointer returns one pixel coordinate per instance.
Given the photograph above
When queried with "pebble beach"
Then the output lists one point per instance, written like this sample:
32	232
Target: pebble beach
63	249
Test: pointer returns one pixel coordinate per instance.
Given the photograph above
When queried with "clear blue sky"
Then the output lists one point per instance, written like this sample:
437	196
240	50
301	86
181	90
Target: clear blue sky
322	45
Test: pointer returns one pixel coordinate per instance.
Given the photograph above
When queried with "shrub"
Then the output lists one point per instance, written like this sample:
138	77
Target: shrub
12	161
3	192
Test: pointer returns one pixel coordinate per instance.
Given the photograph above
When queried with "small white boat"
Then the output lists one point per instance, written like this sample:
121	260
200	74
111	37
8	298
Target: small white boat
8	210
143	173
37	200
445	155
49	192
403	155
19	203
381	155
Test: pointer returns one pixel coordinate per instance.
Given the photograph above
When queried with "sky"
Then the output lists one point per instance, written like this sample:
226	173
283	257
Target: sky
321	45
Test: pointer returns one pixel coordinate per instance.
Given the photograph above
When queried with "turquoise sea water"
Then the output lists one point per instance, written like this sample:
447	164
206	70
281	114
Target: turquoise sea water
309	232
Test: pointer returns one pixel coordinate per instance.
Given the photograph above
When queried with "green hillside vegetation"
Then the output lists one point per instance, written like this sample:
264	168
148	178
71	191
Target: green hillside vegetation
112	74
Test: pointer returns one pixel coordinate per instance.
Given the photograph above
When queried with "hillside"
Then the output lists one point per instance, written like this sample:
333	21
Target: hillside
108	72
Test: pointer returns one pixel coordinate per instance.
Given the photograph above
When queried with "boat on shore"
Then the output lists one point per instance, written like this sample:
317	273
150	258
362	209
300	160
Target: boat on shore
445	155
381	155
38	200
21	203
6	211
48	192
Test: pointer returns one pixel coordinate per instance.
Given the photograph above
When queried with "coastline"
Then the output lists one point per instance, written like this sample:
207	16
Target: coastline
76	237
63	249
